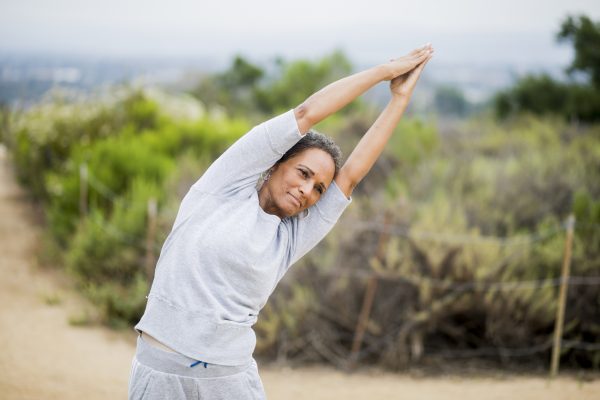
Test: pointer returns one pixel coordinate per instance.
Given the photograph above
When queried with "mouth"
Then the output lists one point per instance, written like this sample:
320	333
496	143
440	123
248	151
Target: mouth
295	200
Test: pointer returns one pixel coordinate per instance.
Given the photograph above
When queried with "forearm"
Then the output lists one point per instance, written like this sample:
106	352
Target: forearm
336	95
371	145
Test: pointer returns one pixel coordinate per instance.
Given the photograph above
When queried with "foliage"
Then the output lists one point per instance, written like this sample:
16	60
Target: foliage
538	94
449	219
584	34
542	95
246	88
447	278
129	147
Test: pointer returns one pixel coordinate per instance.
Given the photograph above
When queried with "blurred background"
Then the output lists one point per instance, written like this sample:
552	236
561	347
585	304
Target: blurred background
450	257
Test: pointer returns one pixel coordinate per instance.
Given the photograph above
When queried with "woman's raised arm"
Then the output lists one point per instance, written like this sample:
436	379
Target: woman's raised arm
371	145
336	95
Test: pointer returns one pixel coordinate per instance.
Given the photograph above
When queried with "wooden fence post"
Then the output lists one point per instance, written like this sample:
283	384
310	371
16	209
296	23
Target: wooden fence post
150	234
562	297
83	190
365	312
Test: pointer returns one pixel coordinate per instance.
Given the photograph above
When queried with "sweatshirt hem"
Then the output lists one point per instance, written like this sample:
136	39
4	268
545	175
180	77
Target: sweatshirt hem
197	336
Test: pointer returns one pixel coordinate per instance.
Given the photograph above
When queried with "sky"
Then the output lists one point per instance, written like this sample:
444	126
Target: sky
518	32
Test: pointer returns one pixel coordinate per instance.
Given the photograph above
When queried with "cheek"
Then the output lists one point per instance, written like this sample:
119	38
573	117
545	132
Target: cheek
289	180
313	198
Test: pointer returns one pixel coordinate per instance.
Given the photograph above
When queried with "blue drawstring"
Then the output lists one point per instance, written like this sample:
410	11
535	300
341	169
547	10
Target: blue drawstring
199	362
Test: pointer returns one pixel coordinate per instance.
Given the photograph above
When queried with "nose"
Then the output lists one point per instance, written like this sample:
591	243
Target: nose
306	189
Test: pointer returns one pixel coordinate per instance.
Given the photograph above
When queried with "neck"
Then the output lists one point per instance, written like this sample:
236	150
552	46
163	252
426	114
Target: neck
266	203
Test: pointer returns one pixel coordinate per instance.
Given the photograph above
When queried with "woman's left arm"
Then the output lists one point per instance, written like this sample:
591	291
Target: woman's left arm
370	146
338	94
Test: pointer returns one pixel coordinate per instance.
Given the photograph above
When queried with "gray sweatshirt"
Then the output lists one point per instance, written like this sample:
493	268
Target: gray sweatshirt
225	254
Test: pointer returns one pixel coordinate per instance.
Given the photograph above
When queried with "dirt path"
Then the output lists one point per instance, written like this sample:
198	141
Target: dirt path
44	357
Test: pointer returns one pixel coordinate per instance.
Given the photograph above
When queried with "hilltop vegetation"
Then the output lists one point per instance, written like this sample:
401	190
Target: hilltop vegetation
463	225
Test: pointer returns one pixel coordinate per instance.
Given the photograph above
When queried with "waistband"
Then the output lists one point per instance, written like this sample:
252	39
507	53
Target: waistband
178	364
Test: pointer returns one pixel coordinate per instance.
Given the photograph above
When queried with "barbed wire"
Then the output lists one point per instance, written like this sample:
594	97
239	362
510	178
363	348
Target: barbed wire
374	347
588	346
453	238
586	224
512	285
493	351
473	285
514	352
456	286
396	230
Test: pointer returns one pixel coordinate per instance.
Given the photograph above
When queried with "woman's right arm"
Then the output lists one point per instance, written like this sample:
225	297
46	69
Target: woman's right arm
338	94
371	145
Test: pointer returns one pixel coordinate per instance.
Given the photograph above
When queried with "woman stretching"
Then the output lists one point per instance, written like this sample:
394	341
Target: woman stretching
235	236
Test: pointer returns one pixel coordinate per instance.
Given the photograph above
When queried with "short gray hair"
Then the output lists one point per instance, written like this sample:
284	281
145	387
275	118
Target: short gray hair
316	140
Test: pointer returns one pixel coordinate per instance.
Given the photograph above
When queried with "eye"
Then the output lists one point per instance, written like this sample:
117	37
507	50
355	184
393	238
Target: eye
303	172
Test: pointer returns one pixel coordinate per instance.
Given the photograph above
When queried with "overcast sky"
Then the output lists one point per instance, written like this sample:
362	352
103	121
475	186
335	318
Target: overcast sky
508	31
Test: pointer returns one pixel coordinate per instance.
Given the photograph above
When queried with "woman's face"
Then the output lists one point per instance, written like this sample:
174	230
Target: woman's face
299	182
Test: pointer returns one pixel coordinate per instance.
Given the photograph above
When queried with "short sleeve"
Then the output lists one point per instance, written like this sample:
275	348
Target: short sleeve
306	232
239	167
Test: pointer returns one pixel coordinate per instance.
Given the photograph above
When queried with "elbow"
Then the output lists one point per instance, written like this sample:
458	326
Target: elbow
346	181
303	119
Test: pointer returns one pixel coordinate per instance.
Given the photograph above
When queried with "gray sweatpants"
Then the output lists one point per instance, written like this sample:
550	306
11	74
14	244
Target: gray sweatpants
158	374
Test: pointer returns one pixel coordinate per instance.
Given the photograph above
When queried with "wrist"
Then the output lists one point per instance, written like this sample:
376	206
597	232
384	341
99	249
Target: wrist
400	98
384	72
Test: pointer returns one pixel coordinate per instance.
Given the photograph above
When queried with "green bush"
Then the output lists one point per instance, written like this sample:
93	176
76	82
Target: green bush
450	195
130	148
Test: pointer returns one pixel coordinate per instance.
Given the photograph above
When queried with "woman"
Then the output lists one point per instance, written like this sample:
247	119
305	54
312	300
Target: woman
231	243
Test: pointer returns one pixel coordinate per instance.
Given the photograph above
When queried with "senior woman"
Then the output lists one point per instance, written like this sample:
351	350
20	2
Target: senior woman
236	235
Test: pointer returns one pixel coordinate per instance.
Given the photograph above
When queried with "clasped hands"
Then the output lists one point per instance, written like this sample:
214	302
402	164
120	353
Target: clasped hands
404	72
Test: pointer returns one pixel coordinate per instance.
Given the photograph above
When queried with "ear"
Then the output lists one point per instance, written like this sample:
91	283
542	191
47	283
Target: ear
273	168
269	172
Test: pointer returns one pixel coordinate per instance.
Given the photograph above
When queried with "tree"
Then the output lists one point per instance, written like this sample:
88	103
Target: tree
242	74
584	34
245	88
540	94
299	79
232	89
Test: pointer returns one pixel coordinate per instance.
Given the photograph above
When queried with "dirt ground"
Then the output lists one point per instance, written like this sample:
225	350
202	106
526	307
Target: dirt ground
45	357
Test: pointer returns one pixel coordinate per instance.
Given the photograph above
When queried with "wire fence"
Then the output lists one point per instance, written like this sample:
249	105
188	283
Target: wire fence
520	242
454	238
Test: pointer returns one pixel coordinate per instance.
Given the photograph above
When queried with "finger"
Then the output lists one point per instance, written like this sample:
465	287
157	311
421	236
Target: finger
417	55
420	49
415	51
419	58
425	57
427	51
420	67
416	72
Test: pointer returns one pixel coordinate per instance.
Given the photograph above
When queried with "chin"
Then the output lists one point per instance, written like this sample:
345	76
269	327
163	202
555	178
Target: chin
291	213
286	211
